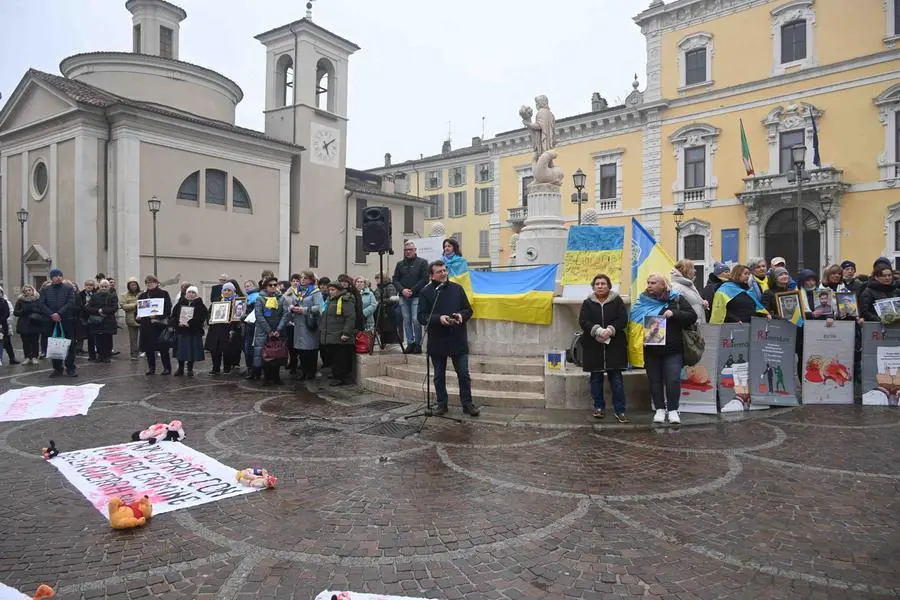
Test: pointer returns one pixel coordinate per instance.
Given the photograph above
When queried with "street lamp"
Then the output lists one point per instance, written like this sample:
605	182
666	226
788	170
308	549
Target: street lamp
22	216
154	204
578	178
826	202
678	216
798	158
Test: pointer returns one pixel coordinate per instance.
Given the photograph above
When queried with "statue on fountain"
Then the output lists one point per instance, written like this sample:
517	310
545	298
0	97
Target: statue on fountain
543	141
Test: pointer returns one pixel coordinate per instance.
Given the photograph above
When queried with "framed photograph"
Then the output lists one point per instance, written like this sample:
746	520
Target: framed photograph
150	307
885	307
219	312
846	305
824	306
654	331
185	315
238	309
788	304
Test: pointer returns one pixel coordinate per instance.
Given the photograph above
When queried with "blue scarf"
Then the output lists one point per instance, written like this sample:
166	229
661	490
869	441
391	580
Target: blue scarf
649	306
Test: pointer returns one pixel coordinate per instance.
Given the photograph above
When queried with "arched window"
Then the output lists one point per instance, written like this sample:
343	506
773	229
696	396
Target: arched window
324	82
216	187
240	197
284	70
190	188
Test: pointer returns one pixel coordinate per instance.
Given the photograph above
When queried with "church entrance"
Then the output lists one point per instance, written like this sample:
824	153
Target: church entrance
781	240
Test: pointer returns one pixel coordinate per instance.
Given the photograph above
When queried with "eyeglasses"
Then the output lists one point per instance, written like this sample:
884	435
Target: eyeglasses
271	285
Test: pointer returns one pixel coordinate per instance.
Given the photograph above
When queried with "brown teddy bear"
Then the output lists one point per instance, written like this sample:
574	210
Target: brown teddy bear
126	516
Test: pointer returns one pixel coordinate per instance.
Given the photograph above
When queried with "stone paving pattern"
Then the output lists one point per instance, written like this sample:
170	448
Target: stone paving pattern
799	503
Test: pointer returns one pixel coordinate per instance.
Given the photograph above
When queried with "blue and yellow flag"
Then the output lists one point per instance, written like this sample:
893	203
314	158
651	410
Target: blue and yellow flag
725	294
522	296
592	249
644	306
647	257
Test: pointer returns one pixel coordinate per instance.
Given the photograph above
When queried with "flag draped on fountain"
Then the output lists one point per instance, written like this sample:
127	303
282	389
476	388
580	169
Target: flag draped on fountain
647	257
520	296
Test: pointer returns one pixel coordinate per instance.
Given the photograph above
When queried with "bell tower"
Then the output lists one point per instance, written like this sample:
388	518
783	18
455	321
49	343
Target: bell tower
306	105
155	27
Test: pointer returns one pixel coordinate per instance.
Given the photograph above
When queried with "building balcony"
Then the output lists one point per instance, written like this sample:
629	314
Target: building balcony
609	206
823	180
703	195
517	215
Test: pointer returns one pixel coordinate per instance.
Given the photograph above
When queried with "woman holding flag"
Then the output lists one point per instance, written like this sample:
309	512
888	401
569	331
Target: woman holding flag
734	301
663	362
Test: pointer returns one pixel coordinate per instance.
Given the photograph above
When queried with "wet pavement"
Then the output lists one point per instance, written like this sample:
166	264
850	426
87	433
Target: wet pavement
799	503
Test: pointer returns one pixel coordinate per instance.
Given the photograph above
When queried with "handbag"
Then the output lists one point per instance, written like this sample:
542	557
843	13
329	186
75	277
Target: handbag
275	350
166	338
95	320
58	344
694	345
364	342
312	322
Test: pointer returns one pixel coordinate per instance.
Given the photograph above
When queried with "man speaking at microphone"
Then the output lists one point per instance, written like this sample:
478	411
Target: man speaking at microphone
444	310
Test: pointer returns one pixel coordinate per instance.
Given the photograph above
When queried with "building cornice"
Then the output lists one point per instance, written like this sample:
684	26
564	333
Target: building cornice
53	131
688	13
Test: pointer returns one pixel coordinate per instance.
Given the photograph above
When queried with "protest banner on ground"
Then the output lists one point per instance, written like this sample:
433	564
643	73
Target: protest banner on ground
773	362
8	593
328	595
173	475
698	383
827	376
880	364
48	402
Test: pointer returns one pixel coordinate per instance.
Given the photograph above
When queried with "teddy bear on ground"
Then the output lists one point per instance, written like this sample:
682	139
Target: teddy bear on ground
256	477
43	591
160	432
126	516
50	452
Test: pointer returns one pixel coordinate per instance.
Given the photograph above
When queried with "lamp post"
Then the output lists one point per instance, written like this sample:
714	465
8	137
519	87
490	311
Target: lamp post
678	216
578	178
798	158
22	216
826	202
154	204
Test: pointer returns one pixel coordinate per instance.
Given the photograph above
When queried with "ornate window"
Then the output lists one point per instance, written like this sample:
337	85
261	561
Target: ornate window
891	229
40	179
608	180
788	126
694	147
216	187
892	20
695	53
189	190
793	25
695	244
888	103
240	199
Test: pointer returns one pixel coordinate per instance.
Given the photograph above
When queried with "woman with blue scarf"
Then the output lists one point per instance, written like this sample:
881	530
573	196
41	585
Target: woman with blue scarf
456	264
663	363
735	301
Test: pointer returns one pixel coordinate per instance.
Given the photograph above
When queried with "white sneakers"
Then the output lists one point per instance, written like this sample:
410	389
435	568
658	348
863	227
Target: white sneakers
660	417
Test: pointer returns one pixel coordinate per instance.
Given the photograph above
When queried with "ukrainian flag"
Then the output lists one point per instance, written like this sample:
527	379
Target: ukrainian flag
522	296
592	249
725	294
647	257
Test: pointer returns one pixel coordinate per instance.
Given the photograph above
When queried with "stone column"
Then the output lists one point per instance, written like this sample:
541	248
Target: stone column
752	232
542	240
127	211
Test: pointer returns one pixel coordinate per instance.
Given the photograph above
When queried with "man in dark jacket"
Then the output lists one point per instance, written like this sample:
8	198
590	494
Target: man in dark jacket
410	276
721	273
58	303
444	310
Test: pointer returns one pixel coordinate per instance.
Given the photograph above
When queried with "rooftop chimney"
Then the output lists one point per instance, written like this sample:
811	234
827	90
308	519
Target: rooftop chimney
476	141
598	102
387	159
445	148
387	184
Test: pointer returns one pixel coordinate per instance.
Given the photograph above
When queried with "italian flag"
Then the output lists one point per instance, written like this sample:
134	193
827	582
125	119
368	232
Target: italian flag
745	152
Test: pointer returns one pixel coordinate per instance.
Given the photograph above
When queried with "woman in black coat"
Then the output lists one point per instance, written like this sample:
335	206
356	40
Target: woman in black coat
188	318
152	327
603	319
225	340
100	313
30	323
879	287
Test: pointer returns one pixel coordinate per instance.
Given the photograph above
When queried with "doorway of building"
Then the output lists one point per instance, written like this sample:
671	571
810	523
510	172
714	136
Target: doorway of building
781	239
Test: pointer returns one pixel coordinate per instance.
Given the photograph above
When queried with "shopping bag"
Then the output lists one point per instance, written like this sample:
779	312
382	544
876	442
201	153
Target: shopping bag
58	344
364	342
275	350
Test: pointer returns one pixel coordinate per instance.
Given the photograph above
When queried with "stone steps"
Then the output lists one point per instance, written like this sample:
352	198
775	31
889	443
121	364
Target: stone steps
415	391
480	380
496	365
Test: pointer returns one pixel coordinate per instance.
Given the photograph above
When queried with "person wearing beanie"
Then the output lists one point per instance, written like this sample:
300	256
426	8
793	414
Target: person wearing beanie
58	302
720	274
225	340
808	282
852	282
188	317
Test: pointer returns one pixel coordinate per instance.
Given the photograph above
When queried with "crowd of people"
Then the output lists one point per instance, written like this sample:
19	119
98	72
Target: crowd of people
732	294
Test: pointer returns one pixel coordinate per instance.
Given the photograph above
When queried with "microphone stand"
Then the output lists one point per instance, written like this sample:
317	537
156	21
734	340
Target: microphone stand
428	412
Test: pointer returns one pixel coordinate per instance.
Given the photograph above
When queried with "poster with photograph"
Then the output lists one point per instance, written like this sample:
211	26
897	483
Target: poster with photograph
773	362
824	305
698	384
886	308
827	376
732	368
150	307
219	312
789	305
846	305
880	364
654	331
239	309
185	315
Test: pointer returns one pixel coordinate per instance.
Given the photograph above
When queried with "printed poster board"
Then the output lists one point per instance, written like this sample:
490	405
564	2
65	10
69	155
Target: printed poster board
827	376
430	248
732	367
698	383
880	364
773	362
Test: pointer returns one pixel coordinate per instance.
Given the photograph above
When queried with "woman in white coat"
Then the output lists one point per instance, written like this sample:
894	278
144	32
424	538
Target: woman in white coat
683	282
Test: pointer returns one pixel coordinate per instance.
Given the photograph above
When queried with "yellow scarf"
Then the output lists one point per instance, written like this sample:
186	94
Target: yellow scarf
271	302
340	306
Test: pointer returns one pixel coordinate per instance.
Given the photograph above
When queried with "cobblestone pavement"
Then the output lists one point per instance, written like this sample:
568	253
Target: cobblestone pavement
802	503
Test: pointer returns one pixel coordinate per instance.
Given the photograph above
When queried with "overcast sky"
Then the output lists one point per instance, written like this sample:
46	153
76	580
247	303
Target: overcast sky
423	63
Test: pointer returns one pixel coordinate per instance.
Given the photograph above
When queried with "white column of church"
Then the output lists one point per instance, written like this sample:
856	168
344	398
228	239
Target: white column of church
85	224
284	219
128	208
4	220
53	201
23	200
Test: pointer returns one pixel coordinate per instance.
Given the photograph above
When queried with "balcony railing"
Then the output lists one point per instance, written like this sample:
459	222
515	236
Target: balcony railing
778	183
703	194
605	207
517	215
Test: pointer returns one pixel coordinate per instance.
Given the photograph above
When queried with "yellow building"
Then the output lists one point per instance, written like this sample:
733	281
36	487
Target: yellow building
778	66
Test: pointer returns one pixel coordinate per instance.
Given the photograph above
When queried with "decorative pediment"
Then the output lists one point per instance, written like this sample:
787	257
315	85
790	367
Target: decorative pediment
700	39
792	11
792	116
695	134
696	227
37	254
33	101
